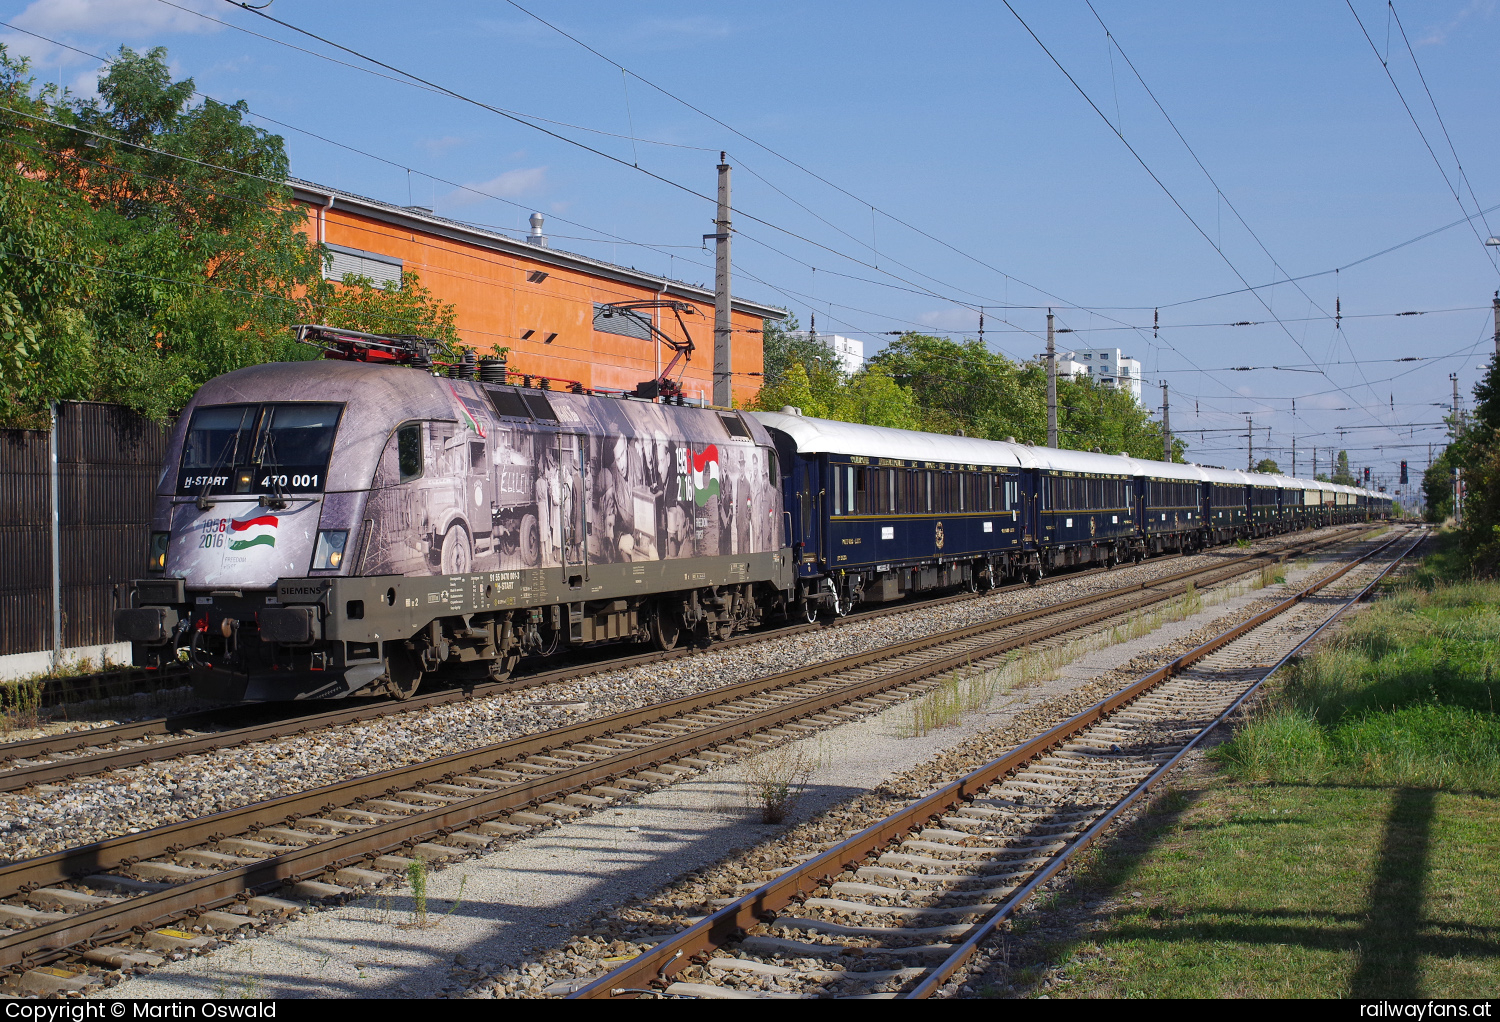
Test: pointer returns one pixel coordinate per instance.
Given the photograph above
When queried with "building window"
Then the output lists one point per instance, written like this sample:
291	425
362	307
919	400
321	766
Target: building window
382	269
624	322
1086	357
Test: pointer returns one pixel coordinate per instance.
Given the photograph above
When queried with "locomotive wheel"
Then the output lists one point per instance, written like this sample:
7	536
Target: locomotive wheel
458	552
530	541
403	675
666	629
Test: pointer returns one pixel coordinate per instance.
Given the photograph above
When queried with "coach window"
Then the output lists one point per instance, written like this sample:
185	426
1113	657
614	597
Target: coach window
861	502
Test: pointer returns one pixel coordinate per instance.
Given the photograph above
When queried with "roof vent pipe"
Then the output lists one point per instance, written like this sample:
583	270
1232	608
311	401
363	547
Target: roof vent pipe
536	237
790	410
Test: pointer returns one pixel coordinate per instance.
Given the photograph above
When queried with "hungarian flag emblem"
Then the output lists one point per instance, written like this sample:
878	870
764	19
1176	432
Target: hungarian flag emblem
258	530
704	474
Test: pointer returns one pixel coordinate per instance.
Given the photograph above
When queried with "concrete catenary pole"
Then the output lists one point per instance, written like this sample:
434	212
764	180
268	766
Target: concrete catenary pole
723	328
1249	443
1456	423
1166	425
1051	385
1497	324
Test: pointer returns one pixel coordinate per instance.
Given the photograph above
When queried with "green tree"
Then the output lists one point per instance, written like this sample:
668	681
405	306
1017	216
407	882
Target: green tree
148	244
1341	474
962	386
1268	466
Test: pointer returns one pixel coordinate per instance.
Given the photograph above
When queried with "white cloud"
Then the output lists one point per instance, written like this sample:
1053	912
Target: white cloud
951	319
510	185
439	146
114	17
1439	34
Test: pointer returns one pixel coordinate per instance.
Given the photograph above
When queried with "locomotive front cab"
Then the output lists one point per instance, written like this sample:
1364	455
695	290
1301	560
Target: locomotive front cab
248	494
240	506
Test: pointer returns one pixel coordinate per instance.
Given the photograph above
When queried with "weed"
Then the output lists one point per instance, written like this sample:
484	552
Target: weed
21	704
963	691
459	898
416	875
776	779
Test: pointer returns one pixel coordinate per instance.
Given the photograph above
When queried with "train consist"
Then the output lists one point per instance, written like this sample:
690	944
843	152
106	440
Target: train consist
355	524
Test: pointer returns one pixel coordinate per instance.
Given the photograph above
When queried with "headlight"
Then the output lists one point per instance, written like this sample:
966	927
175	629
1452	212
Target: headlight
330	549
157	561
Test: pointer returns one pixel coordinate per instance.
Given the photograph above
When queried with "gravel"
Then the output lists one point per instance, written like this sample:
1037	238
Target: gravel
632	926
48	818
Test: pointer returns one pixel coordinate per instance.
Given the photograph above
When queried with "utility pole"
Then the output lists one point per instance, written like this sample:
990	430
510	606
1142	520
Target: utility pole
1294	455
1166	424
1249	443
723	328
1457	425
1315	461
1052	386
1497	324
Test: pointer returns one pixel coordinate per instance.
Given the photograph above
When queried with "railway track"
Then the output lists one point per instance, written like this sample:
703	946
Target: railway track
113	902
901	908
71	755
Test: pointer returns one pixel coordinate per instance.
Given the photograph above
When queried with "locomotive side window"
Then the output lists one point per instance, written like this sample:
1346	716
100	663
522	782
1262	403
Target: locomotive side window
409	451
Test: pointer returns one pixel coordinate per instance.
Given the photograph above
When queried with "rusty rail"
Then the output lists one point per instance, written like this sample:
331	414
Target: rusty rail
651	970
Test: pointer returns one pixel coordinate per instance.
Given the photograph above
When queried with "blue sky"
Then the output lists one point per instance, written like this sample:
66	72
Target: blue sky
952	119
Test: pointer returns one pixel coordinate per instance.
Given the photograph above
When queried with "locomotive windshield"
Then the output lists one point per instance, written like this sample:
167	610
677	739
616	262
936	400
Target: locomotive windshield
260	448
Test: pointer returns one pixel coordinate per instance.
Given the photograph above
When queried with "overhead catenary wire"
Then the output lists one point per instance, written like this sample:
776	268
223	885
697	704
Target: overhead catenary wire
1385	66
1162	184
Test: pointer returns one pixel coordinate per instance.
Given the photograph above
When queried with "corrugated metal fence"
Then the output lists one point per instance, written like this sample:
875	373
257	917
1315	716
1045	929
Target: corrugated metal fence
108	462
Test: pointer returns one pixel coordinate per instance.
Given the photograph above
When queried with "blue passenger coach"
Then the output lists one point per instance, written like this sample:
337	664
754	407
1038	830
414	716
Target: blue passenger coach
873	514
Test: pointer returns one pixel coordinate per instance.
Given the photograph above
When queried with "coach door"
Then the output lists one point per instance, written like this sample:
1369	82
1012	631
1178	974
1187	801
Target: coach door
572	503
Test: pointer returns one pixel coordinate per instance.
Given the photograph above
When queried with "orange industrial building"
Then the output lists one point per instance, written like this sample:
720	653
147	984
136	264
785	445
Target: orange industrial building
547	306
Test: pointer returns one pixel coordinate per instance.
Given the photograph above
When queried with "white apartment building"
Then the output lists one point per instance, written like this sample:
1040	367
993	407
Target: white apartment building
851	353
1106	366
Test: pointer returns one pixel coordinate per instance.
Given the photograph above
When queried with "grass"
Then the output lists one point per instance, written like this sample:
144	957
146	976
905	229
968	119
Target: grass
1289	891
1341	844
1404	696
970	689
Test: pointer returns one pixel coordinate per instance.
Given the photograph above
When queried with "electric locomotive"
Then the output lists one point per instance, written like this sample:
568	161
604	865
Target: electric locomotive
353	524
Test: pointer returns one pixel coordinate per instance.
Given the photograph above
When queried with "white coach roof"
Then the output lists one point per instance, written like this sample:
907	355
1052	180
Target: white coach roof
825	436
